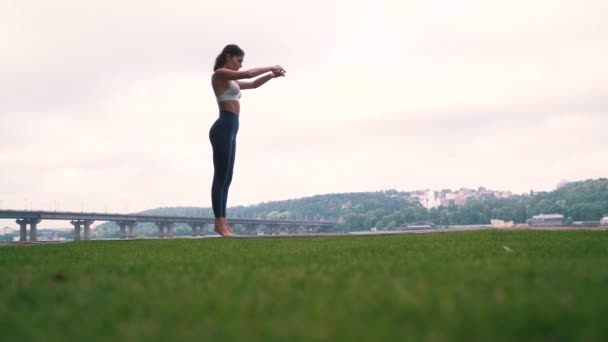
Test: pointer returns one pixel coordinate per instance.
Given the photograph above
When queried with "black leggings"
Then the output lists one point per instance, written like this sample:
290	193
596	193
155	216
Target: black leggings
223	140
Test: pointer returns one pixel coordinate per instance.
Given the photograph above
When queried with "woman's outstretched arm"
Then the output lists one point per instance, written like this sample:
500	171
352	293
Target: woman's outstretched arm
228	74
258	82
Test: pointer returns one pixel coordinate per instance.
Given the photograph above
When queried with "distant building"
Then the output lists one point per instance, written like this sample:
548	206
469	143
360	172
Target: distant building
461	200
450	195
432	199
446	202
427	198
604	221
504	194
502	223
466	192
548	220
348	204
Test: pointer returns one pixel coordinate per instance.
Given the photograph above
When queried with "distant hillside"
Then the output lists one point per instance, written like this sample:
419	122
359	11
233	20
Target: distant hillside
329	207
582	201
578	201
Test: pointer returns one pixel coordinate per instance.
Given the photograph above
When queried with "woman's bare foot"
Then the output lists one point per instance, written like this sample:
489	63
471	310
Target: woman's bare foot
221	227
223	230
229	228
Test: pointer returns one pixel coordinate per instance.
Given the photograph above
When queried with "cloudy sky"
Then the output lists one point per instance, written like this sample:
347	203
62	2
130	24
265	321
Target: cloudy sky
106	105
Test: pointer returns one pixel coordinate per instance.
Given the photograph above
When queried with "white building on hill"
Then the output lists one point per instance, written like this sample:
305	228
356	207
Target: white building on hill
430	200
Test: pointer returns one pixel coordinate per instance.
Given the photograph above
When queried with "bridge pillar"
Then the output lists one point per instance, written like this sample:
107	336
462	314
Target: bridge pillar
132	229
250	229
292	229
196	227
122	226
161	229
170	229
272	229
76	224
87	229
33	222
122	232
33	228
22	230
283	229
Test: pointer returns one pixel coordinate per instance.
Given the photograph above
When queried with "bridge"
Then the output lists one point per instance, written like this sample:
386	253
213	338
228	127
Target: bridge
197	223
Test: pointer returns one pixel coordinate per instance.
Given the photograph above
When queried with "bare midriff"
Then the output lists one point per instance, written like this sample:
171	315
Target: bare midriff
230	106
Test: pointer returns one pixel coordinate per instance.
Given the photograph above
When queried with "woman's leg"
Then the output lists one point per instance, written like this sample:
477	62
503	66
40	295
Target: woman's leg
221	164
221	143
229	178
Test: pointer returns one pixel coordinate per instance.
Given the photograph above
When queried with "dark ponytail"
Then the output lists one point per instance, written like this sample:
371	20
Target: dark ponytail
231	49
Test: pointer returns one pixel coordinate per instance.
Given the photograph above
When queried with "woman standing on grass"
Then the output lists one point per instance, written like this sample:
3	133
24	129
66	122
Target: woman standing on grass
227	82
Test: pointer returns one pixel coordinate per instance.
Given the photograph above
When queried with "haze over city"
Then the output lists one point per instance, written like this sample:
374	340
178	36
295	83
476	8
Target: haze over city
106	106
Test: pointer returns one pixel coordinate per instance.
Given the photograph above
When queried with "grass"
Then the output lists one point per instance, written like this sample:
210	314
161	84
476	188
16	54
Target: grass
483	285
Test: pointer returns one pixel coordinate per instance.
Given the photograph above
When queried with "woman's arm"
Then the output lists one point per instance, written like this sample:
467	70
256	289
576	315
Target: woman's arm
258	82
227	74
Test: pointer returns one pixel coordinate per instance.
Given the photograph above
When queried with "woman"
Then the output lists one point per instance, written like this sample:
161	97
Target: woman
227	82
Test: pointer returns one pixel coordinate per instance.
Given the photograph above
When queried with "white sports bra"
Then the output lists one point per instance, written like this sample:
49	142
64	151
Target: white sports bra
233	93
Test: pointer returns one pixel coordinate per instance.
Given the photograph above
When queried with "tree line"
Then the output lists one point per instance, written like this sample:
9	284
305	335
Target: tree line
391	209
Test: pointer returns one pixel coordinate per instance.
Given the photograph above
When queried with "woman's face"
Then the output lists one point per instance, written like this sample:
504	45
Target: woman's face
234	62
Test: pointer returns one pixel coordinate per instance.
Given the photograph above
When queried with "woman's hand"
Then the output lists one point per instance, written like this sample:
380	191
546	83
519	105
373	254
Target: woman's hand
277	71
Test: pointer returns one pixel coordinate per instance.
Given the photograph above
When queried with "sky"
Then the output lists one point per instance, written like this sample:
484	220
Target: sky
106	105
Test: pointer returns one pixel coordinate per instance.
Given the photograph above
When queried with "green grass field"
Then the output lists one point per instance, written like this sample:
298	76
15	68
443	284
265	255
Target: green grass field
484	285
